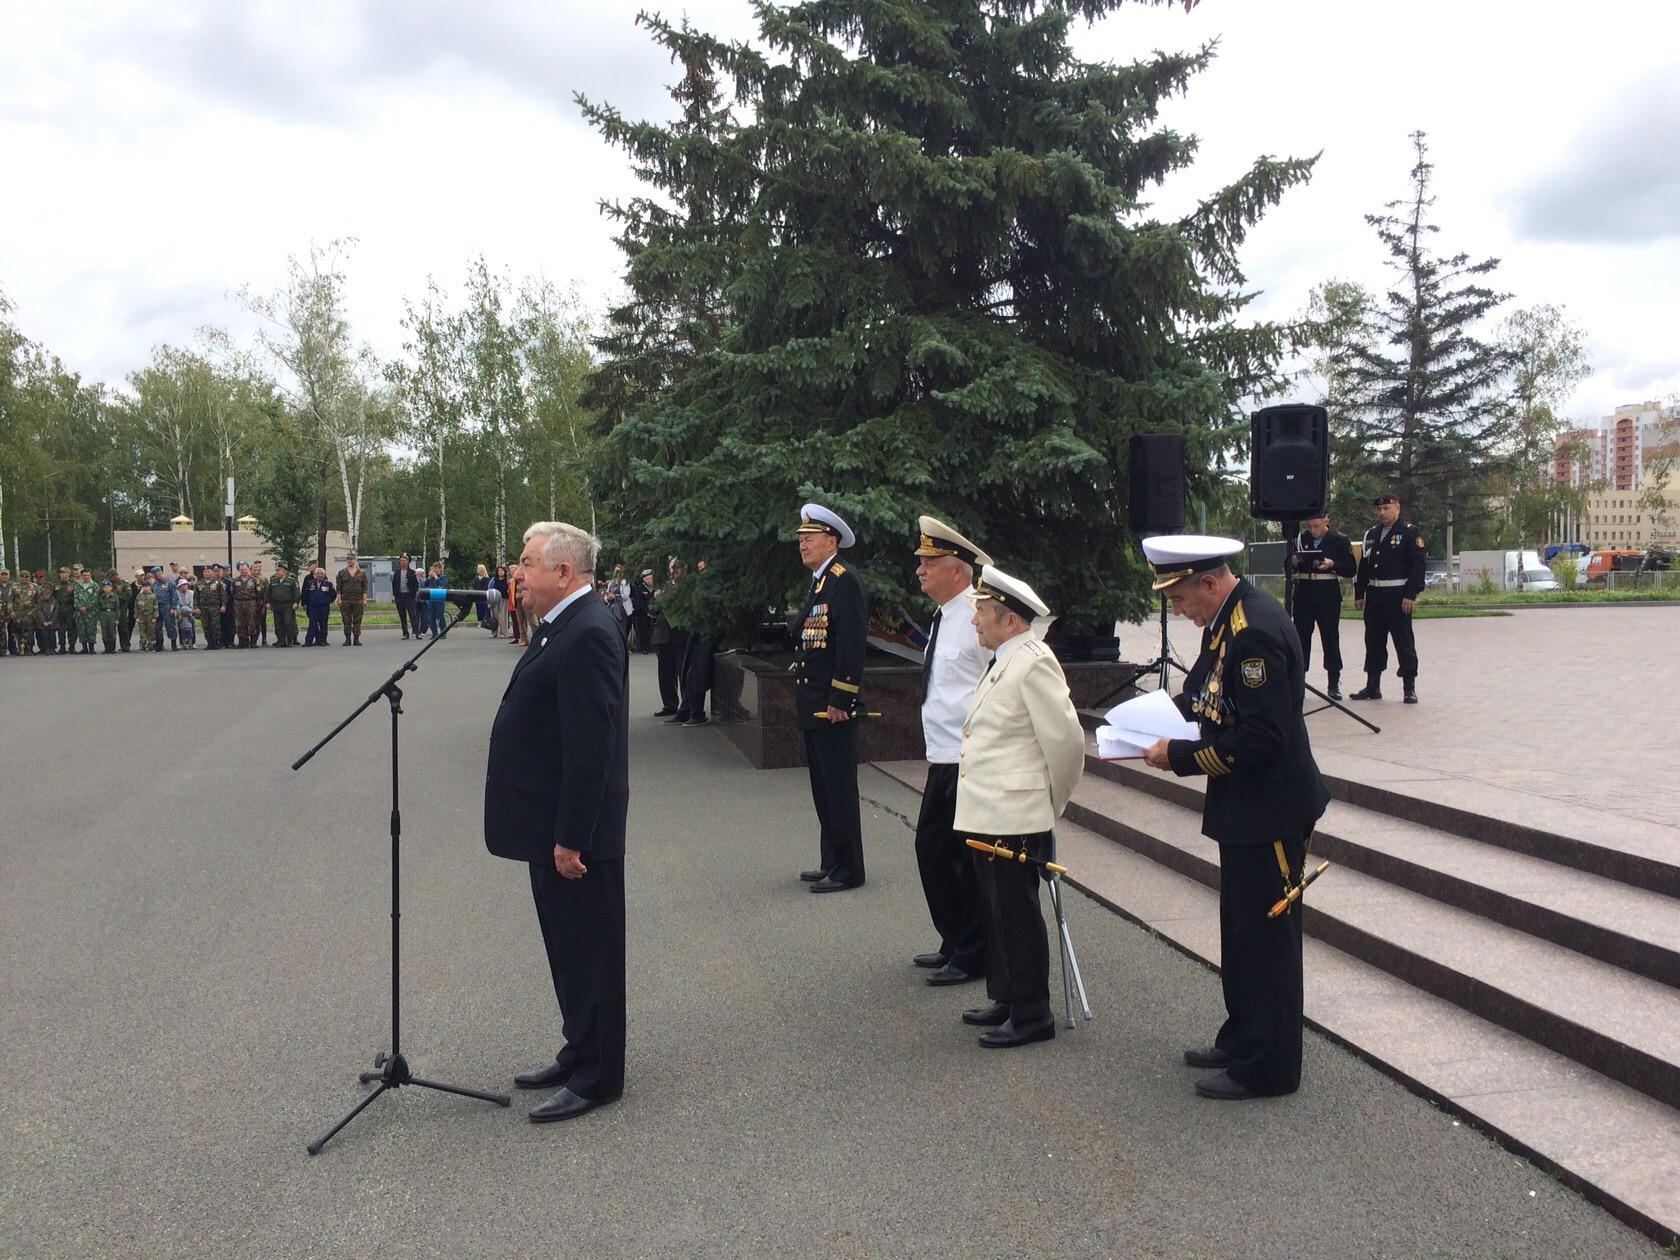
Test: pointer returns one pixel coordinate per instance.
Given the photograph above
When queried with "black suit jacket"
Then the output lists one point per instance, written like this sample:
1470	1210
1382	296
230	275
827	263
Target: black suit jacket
1245	692
559	763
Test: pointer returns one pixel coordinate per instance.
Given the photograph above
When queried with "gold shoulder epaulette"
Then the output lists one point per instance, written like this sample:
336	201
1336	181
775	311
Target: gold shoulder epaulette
1239	621
837	568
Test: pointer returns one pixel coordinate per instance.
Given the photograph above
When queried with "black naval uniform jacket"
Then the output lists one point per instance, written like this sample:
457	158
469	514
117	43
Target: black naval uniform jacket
1400	555
559	763
1245	692
1314	584
828	659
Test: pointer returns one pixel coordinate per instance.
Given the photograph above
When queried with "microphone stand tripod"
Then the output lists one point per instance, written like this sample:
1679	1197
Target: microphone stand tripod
1162	665
391	1070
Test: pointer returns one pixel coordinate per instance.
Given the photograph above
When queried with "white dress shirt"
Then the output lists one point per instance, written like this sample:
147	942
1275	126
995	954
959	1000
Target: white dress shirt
958	664
552	613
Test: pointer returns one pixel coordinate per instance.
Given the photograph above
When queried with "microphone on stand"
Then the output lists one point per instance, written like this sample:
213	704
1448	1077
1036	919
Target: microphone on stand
437	594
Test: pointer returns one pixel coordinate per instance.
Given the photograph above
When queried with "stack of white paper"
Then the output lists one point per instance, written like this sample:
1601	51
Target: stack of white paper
1135	725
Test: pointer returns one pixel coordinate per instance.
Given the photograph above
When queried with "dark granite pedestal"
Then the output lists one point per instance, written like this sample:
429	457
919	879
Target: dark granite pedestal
753	702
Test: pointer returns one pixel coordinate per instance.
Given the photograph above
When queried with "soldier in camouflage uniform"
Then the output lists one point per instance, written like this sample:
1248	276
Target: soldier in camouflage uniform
145	617
85	606
25	597
262	601
7	644
352	587
109	611
128	590
245	599
46	621
64	597
207	598
283	597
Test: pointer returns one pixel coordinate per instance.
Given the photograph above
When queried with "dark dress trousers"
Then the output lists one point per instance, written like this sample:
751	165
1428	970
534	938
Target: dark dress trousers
405	585
1264	790
828	673
1318	594
559	773
1390	570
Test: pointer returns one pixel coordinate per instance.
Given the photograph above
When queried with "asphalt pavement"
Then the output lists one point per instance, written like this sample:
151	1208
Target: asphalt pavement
195	943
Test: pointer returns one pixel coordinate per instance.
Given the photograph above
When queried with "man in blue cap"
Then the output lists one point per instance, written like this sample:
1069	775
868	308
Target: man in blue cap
828	685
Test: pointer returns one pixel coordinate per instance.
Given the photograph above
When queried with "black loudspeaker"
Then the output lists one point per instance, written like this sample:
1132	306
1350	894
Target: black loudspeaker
1289	465
1157	483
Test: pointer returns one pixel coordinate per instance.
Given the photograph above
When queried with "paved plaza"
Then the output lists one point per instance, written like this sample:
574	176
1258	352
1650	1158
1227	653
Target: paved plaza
195	945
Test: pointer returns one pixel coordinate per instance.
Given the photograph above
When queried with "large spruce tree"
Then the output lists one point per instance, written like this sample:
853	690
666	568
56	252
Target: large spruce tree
913	269
1425	398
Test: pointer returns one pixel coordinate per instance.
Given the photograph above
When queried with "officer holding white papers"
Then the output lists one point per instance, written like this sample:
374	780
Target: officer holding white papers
1264	794
827	687
952	667
1022	753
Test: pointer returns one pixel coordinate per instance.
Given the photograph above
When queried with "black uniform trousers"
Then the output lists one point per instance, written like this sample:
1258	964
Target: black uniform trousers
583	931
1385	620
831	757
949	880
671	653
1017	948
697	674
1325	613
405	615
1260	966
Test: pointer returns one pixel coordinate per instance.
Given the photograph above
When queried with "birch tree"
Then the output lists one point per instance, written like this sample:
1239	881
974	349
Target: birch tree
493	394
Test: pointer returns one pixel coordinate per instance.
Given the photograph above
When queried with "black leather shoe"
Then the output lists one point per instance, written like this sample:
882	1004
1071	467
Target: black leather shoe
949	974
1208	1057
811	877
664	713
677	720
828	884
698	721
1410	696
987	1016
1223	1088
549	1076
1006	1036
1369	693
932	961
565	1105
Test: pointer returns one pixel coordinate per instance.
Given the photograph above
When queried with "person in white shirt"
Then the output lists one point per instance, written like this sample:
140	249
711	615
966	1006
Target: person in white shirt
1022	753
951	668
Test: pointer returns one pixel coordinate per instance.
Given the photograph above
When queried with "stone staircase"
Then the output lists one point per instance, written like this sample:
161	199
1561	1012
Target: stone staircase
1525	977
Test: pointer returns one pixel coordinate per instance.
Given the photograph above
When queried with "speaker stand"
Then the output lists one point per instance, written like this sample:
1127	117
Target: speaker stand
1162	666
1292	532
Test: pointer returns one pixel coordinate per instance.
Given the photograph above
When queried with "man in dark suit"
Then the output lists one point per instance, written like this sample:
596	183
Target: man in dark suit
1390	577
1264	795
556	792
827	687
1322	558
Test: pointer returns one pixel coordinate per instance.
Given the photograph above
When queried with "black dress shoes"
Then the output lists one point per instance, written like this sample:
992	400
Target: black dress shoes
664	713
1006	1036
949	974
1369	693
1410	696
549	1076
828	884
931	961
565	1105
698	721
1208	1057
676	719
1223	1088
811	877
987	1016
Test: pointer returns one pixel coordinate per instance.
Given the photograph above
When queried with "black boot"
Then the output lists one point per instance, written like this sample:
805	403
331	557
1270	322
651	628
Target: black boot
1410	687
1335	687
1373	689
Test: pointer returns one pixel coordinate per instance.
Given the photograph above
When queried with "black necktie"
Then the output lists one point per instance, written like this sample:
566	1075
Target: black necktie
927	657
989	665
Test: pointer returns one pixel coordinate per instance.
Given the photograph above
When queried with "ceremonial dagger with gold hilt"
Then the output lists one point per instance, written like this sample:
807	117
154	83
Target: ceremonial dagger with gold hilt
1002	851
1292	892
854	717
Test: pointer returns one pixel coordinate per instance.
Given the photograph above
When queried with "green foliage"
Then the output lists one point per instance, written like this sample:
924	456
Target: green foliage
917	275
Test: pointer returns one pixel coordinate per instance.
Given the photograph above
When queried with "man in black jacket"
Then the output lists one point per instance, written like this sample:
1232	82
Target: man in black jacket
1264	795
1321	559
827	689
405	586
556	792
1389	581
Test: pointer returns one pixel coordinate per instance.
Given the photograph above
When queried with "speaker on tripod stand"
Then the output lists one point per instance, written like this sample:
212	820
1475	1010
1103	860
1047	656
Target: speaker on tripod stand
1155	505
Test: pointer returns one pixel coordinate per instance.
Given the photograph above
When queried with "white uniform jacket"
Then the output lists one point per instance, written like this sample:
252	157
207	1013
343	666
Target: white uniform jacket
1023	748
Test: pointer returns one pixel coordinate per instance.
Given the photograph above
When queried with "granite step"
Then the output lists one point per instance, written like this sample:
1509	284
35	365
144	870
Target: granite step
1631	851
1621	1025
1628	927
1617	1146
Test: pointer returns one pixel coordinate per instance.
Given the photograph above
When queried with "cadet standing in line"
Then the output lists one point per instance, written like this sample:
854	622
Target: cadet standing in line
244	607
168	601
8	644
1023	752
108	611
1322	559
145	617
125	609
225	578
283	598
85	604
952	667
1390	580
26	599
352	587
1264	794
262	603
318	596
207	595
63	611
828	682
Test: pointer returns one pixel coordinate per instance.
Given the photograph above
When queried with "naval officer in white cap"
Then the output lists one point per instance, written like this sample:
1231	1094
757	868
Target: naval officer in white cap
952	667
828	689
1264	794
1022	753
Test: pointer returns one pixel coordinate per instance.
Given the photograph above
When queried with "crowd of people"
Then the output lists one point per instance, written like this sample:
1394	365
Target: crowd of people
684	656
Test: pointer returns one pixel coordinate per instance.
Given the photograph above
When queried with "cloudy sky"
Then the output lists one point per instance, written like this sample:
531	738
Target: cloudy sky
161	154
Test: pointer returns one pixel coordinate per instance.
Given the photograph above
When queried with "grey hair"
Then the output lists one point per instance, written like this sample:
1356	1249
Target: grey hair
566	544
